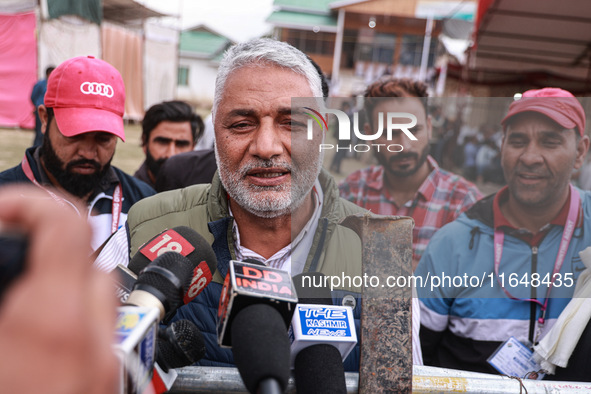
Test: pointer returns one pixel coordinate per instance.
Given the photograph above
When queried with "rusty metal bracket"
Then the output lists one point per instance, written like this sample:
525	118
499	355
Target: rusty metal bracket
386	343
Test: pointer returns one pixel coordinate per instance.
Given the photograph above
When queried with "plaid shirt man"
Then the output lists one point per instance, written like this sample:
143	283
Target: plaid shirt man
441	198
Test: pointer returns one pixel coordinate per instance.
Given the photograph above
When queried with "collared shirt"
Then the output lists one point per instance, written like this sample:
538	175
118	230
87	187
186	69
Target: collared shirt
285	258
440	199
500	221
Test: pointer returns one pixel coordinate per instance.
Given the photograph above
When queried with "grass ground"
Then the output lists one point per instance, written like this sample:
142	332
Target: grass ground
128	155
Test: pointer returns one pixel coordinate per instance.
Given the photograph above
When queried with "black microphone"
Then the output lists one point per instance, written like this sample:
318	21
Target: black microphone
322	336
256	306
162	284
179	345
260	346
187	242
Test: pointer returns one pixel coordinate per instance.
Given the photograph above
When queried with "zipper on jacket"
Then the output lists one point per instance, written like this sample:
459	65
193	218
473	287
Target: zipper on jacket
533	311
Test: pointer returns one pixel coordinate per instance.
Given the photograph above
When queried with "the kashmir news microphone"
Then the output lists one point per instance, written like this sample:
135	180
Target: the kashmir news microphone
162	284
136	336
256	307
187	242
322	336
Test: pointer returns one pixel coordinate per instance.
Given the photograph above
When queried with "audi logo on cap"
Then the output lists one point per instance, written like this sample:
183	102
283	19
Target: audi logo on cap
101	89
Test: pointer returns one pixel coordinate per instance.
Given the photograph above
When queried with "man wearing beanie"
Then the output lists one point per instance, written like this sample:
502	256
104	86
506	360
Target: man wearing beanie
81	120
519	248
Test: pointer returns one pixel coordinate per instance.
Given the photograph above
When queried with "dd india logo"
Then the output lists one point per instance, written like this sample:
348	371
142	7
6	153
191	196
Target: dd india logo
344	124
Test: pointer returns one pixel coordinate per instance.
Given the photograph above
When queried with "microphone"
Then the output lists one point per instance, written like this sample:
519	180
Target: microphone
256	306
187	242
253	283
162	284
179	345
135	334
322	336
123	279
261	349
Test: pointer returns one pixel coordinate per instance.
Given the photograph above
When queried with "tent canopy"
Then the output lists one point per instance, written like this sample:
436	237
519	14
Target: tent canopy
543	38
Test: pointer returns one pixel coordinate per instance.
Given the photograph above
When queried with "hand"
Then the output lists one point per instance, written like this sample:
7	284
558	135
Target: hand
57	319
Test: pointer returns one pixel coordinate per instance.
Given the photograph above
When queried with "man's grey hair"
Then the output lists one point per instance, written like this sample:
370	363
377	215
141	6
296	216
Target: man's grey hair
265	52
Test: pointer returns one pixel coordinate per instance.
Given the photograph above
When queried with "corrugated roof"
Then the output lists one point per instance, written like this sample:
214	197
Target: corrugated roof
204	43
318	6
303	20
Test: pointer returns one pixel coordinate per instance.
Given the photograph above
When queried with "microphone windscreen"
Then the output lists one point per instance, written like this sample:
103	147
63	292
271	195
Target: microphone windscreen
310	361
311	288
181	344
260	346
180	239
170	274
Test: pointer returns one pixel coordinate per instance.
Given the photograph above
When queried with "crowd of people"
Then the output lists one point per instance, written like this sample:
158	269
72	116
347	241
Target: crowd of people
253	197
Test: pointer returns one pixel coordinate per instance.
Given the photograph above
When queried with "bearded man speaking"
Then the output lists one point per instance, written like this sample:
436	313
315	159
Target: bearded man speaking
270	199
81	120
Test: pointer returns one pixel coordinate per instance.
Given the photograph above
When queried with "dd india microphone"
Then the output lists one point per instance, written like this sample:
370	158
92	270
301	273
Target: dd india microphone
162	284
187	242
321	338
256	306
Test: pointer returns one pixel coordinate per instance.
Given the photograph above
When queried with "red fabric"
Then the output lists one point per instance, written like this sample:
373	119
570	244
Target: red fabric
18	69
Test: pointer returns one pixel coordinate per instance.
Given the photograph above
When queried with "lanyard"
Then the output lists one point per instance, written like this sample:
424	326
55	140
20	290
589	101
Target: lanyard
115	207
567	234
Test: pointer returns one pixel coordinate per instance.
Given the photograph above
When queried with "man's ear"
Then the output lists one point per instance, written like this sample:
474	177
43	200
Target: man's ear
582	149
42	110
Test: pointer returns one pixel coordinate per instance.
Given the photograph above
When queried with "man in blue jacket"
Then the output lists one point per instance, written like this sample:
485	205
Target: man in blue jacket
507	266
82	118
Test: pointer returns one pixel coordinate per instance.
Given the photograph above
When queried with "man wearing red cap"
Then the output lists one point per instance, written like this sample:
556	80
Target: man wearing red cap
82	118
511	261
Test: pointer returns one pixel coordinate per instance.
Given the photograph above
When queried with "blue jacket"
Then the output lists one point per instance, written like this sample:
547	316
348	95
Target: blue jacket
100	207
464	323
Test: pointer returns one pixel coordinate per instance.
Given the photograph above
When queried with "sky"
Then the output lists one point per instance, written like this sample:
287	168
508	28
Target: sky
239	20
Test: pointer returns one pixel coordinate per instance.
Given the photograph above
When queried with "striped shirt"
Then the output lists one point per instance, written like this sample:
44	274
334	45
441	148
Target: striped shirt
441	198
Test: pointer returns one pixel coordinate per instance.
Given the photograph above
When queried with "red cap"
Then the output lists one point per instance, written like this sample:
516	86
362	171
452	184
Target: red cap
86	95
557	104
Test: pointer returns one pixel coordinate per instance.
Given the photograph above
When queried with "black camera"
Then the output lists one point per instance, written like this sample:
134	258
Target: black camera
13	250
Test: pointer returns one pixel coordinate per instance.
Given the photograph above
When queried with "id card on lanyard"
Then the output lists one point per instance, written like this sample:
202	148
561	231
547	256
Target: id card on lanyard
115	206
567	234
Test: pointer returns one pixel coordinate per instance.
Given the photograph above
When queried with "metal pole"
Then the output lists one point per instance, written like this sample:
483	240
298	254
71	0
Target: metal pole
426	48
338	48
